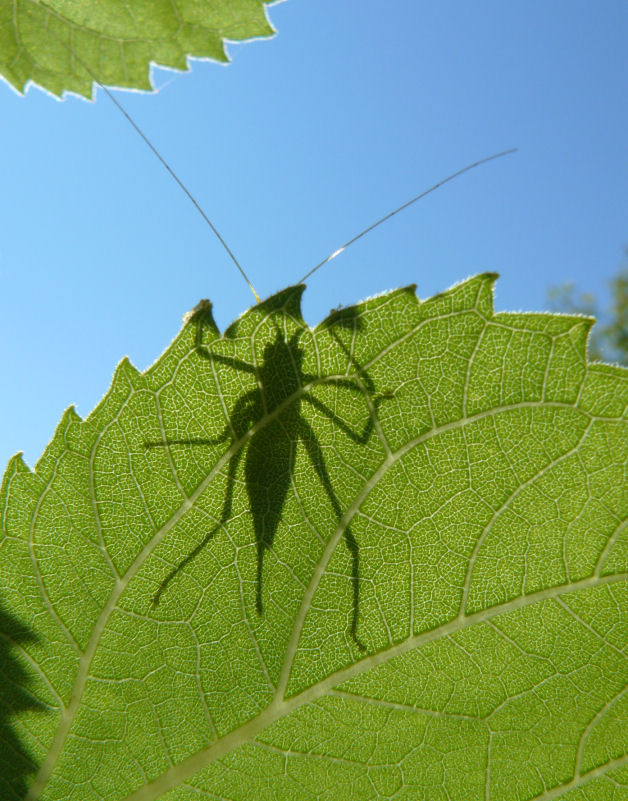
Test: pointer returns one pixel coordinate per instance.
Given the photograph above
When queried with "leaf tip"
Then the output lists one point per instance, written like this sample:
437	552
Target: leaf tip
202	310
15	465
71	415
130	370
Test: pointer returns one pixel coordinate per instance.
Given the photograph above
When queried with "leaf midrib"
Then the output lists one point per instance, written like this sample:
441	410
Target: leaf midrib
390	461
277	710
68	715
69	712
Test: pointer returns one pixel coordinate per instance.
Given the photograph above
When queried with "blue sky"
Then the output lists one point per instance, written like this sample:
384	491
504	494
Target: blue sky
295	146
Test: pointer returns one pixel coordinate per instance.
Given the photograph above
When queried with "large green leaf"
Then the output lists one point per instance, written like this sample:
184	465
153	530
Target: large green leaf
384	558
62	45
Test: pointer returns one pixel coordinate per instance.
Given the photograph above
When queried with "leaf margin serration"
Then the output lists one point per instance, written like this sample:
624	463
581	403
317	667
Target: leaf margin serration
127	376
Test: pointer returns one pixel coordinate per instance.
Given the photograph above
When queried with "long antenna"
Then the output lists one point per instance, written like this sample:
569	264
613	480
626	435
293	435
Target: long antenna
197	205
405	206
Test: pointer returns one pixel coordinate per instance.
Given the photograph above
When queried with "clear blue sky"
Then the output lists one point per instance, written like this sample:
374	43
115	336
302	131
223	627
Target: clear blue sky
300	142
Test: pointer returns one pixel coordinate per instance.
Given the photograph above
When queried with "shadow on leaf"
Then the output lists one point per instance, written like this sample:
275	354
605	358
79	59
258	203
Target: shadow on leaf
16	764
270	451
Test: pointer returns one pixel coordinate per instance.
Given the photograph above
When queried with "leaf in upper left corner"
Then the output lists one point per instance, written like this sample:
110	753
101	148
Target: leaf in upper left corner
62	46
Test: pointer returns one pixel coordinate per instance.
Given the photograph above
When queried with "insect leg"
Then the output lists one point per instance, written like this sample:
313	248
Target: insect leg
315	453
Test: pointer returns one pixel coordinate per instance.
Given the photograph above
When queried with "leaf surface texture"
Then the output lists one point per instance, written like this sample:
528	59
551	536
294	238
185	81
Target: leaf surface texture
384	558
64	45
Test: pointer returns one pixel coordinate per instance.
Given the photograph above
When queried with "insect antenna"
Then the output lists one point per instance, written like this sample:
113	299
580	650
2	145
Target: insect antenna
405	206
163	161
215	231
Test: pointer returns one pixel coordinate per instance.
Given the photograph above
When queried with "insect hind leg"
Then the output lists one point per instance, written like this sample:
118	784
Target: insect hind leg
315	453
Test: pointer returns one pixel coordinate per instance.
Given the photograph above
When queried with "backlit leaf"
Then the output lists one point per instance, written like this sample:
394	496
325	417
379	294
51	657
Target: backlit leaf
385	558
63	45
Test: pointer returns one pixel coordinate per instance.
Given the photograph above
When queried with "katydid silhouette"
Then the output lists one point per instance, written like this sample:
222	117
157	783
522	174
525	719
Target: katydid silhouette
271	450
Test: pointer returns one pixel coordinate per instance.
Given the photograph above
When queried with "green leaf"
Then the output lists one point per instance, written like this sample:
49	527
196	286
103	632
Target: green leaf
385	558
63	45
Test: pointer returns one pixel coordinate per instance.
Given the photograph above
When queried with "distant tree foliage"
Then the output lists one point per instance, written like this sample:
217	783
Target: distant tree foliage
609	338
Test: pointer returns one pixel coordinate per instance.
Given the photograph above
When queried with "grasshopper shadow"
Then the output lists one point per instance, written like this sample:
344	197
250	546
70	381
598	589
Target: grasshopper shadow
273	412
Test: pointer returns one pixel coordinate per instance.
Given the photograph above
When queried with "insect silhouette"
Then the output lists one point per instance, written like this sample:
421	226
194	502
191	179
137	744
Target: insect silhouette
270	453
271	449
